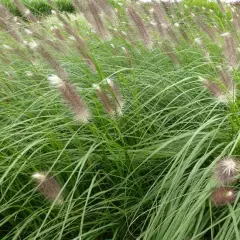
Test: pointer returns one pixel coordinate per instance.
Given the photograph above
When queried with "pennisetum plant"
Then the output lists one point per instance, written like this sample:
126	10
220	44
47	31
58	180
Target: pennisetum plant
235	18
163	24
105	7
206	28
170	52
227	81
81	46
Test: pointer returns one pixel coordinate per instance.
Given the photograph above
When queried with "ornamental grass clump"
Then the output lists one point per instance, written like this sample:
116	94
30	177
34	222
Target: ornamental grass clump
137	163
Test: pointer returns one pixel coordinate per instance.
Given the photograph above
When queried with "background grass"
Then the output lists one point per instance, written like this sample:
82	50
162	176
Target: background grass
40	7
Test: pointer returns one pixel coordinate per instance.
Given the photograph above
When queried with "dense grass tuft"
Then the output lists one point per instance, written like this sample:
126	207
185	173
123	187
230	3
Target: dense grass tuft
160	119
39	7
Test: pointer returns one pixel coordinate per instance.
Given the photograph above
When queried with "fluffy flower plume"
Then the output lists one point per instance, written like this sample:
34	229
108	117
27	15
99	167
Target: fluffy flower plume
25	11
223	195
230	49
220	94
80	45
140	26
203	48
57	33
169	50
7	23
71	96
113	102
48	187
104	99
33	44
226	170
55	80
29	74
228	82
97	21
119	100
105	7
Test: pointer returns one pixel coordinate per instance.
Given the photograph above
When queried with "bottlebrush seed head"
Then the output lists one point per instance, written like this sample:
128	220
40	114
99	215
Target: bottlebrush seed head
198	40
39	176
96	87
72	98
220	95
29	74
223	195
28	32
119	100
33	44
104	99
109	81
225	34
48	187
226	170
55	80
27	12
6	47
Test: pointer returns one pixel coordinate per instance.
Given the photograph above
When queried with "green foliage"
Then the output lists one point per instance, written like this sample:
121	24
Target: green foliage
39	7
147	174
205	4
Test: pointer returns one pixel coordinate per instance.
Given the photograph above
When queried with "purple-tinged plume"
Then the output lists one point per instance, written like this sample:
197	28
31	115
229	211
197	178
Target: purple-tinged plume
223	196
71	96
48	187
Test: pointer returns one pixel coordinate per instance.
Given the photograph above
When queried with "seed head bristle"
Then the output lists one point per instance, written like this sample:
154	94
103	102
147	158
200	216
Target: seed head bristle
223	196
73	99
219	94
96	20
226	170
230	49
118	98
48	187
104	99
140	26
25	11
55	80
